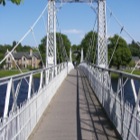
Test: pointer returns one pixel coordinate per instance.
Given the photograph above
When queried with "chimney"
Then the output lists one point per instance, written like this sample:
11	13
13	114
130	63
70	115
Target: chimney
31	52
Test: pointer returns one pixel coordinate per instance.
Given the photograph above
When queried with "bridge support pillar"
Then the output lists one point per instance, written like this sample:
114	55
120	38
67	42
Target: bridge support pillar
51	35
102	55
82	55
51	38
70	59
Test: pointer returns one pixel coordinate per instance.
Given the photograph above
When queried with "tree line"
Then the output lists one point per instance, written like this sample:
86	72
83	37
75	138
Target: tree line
20	48
122	55
62	49
121	50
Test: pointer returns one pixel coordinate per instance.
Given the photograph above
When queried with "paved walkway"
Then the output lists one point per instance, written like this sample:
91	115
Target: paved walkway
74	114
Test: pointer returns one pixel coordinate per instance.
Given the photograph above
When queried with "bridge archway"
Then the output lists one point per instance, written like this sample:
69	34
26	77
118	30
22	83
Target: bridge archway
76	57
51	37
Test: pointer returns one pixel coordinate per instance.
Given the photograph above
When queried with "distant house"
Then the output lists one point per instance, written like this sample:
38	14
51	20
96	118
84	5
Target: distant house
23	60
136	59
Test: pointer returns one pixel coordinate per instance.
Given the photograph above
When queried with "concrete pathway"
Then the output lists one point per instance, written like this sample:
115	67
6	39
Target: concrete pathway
74	114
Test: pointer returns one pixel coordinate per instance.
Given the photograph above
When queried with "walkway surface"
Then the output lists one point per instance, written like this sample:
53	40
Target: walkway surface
74	114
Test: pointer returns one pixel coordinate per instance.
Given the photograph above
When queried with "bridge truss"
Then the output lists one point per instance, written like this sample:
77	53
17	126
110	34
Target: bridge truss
21	120
102	59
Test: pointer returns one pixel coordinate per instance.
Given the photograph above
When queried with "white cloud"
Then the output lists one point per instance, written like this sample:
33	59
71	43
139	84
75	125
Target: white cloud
74	35
72	31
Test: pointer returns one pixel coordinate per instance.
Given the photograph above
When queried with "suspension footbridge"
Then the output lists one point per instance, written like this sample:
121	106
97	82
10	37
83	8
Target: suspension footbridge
70	103
75	113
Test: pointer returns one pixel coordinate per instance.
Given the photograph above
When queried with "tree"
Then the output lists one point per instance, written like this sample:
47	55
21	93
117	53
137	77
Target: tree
3	2
134	48
63	47
76	54
122	55
131	64
14	43
90	40
3	49
42	49
21	48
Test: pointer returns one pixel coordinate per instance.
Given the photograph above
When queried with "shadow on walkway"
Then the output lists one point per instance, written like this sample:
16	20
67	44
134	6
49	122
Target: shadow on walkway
74	114
92	122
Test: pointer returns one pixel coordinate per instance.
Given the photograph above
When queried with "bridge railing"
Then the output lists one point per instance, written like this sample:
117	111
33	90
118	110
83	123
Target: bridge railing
21	115
125	115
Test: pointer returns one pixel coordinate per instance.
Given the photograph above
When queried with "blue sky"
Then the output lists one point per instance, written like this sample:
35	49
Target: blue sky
75	20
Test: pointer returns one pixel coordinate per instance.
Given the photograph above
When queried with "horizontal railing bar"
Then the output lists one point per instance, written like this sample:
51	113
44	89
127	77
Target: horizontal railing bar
103	88
24	75
124	74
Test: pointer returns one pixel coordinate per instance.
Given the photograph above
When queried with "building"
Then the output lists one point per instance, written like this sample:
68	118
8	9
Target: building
137	61
23	60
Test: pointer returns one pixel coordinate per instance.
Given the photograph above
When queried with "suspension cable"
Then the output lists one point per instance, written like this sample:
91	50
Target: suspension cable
58	54
91	43
15	62
37	48
120	24
123	29
25	35
63	48
44	23
18	66
115	47
94	40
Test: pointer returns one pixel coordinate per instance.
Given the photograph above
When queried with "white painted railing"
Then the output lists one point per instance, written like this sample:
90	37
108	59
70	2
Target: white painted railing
125	117
21	120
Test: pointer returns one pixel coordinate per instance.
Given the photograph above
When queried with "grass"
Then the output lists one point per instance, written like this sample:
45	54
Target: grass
115	76
37	75
137	72
5	73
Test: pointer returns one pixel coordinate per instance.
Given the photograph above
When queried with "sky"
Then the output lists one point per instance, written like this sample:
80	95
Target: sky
74	20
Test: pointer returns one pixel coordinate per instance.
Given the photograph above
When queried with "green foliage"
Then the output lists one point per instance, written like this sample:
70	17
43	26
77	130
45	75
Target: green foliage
42	49
63	47
122	55
16	1
3	2
136	72
135	49
131	64
21	48
90	40
4	48
63	44
76	54
5	73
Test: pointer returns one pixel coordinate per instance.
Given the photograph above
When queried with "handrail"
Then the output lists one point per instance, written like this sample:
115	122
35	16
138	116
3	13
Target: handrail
124	74
21	120
124	115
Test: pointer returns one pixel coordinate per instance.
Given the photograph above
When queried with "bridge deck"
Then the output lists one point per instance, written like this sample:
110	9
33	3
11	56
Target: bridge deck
74	114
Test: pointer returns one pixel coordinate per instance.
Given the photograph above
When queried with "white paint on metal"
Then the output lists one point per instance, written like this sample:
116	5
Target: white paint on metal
82	55
51	35
30	86
123	115
70	55
7	98
20	122
102	55
134	90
